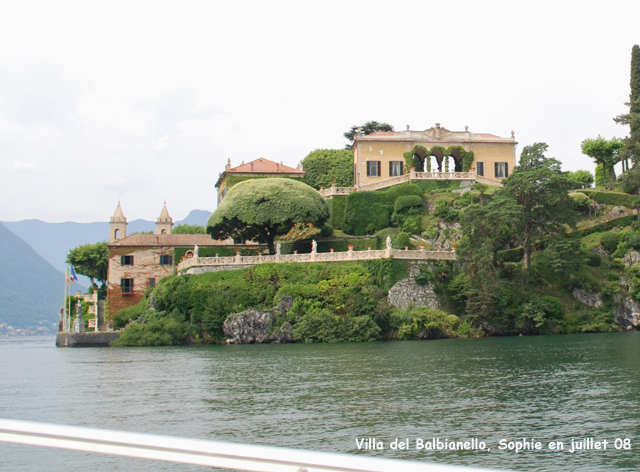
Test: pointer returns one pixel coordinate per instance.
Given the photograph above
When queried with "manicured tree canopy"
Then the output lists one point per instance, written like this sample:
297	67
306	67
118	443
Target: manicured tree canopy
262	209
324	166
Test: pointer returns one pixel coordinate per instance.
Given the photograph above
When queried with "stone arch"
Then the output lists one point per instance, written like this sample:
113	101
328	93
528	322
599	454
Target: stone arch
456	152
439	153
116	234
164	231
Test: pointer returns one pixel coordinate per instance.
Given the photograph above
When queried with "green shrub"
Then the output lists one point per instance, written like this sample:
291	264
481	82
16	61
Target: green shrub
606	226
326	230
325	326
594	260
407	201
155	329
337	205
613	198
580	201
425	276
412	225
609	241
130	313
402	240
633	240
369	211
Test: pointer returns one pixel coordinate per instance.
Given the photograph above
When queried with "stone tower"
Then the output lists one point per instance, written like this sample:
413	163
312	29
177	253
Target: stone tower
164	223
117	225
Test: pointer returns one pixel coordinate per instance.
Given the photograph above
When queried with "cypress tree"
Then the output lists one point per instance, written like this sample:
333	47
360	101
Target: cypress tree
631	148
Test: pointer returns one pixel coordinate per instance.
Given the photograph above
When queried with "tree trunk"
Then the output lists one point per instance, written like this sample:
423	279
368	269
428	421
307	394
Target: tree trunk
527	245
270	245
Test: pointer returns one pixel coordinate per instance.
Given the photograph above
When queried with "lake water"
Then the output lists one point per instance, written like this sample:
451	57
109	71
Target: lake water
323	397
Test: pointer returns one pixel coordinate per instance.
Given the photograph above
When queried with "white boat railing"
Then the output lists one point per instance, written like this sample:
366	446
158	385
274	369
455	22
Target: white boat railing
202	452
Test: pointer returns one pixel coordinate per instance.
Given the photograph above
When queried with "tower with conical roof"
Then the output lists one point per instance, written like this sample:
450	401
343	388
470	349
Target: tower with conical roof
117	225
164	223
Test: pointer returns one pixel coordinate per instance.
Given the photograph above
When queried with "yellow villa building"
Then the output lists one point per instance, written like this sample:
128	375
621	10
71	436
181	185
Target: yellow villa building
381	155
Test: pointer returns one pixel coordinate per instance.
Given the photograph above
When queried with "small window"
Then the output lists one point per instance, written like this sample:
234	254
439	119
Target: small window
126	285
152	283
502	170
166	260
126	260
480	168
373	168
395	168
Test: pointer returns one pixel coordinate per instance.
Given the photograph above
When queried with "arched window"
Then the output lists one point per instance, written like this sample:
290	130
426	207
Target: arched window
164	231
116	234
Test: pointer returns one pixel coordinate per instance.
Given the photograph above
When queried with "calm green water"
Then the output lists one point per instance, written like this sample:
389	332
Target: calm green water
323	397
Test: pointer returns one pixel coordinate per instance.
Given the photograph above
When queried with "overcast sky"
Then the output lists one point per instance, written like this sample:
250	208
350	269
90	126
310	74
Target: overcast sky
146	101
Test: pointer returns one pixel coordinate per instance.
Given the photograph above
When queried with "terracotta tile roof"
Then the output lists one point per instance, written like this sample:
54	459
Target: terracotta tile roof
265	166
168	240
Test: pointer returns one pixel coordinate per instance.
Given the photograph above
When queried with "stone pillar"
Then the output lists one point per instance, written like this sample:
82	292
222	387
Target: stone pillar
238	257
350	252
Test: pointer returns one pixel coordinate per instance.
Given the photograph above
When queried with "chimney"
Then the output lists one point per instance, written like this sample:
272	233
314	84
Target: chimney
252	167
277	167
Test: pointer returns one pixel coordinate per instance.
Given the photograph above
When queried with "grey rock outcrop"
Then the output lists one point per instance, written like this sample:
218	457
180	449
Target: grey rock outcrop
253	327
631	259
591	299
627	313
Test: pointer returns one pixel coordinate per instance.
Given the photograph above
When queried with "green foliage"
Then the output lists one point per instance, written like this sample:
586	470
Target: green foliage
412	225
369	211
609	241
539	186
265	208
538	313
326	230
153	329
600	181
322	325
445	210
189	229
606	153
606	226
594	259
368	128
407	201
337	205
401	241
582	178
423	323
633	240
613	198
629	182
631	149
563	254
580	201
91	260
301	231
326	166
425	276
132	312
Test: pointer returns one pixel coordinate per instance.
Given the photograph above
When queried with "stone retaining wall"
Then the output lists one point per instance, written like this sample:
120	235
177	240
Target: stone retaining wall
86	339
407	292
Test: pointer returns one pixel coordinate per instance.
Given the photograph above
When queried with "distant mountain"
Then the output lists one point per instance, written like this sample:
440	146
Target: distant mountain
31	289
53	241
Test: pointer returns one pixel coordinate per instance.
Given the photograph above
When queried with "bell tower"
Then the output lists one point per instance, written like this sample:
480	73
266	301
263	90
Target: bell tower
164	223
117	225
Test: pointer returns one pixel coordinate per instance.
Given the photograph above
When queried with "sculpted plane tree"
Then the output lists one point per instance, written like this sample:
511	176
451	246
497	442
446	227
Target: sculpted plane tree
605	152
91	260
262	209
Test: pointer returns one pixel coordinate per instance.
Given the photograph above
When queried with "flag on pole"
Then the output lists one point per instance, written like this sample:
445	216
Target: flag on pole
67	275
74	276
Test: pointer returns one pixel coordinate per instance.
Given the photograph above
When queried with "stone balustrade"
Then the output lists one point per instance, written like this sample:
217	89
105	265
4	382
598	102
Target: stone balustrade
413	175
349	255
